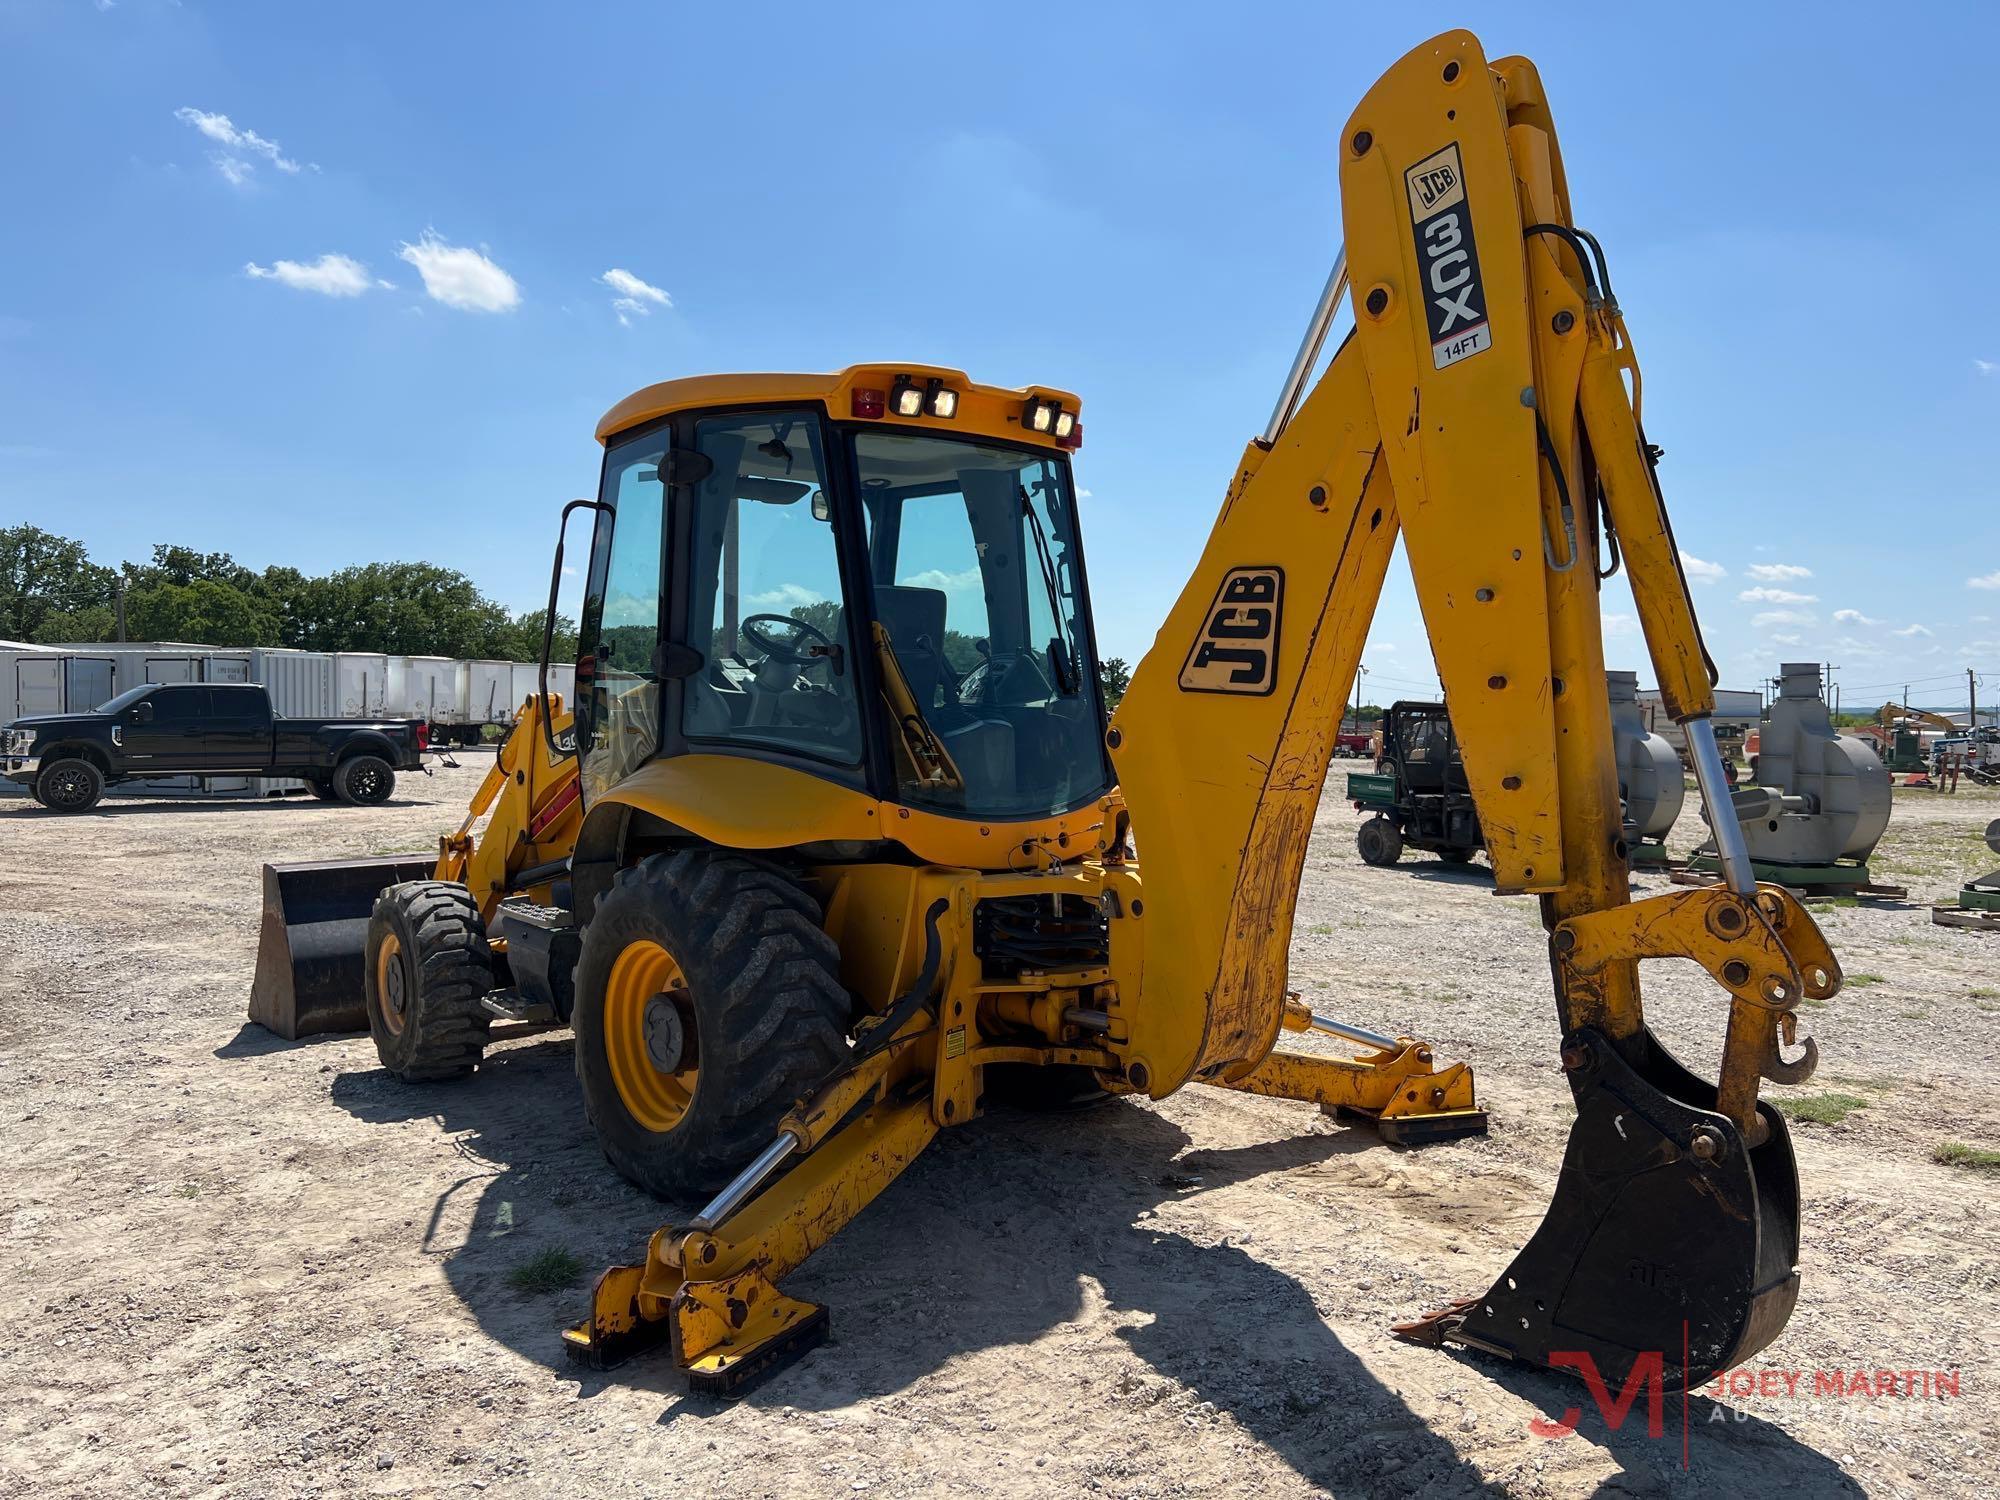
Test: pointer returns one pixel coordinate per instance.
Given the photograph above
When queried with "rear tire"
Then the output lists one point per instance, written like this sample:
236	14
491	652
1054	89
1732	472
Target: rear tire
427	967
322	788
1380	841
70	785
1457	856
364	780
708	1002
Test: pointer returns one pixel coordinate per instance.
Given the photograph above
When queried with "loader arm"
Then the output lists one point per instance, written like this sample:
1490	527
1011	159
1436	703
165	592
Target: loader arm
1485	409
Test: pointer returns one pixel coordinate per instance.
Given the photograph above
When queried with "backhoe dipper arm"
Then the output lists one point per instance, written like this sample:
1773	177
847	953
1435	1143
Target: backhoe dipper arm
1481	409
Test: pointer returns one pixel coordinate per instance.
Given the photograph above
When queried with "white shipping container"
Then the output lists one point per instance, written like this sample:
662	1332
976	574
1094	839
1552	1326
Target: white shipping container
361	685
301	683
430	689
486	691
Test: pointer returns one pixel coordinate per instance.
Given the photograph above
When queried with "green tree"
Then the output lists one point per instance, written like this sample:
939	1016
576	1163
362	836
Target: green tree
44	575
1114	679
205	612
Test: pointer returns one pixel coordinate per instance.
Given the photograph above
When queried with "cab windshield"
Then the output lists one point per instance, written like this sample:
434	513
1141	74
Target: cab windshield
983	637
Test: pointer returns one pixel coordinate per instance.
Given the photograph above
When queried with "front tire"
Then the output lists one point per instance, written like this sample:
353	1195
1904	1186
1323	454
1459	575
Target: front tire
428	965
708	1002
1380	841
1457	856
71	785
322	788
364	780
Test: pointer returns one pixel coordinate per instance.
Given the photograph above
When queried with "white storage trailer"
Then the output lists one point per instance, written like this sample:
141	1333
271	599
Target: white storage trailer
361	684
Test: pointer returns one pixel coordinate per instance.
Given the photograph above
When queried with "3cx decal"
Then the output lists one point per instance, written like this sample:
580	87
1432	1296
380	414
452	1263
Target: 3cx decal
1454	298
1237	648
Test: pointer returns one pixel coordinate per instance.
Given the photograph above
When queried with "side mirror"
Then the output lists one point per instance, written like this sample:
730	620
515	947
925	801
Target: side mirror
142	713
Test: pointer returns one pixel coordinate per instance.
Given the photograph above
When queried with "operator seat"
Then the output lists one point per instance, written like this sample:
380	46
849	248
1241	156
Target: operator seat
983	749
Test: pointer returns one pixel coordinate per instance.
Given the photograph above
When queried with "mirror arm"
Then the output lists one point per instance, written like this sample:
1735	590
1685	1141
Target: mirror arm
549	620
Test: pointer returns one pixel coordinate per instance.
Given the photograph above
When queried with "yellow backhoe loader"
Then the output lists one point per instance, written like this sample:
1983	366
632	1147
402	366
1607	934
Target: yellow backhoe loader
855	837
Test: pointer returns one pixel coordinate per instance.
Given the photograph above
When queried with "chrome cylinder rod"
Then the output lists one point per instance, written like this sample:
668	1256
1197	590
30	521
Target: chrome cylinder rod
1359	1034
746	1182
1731	851
1309	347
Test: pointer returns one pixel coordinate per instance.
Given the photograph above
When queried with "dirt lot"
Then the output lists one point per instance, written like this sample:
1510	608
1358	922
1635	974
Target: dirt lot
238	1266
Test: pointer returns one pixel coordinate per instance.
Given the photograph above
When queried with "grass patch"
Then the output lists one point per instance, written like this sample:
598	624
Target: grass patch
187	1190
546	1271
1823	1109
1841	901
1958	1154
1983	992
1913	1015
1873	1085
1862	981
1321	929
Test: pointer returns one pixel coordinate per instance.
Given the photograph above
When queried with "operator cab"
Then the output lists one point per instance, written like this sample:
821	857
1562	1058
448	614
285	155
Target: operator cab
875	578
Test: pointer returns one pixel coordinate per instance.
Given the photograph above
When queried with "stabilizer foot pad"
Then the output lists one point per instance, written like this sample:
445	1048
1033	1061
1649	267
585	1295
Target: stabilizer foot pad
1420	1130
742	1376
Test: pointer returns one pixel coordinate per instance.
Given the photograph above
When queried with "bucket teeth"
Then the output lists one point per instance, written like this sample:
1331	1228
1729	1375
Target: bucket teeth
1668	1238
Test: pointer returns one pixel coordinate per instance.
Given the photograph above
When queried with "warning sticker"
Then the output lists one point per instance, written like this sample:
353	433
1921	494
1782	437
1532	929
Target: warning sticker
1454	298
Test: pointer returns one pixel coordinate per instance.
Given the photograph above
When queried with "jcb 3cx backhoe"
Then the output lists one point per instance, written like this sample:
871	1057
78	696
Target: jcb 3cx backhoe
854	835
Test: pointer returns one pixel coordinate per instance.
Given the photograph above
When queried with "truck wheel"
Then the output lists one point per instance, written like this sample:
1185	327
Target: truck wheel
1380	841
708	1002
364	780
322	788
72	785
427	966
1457	856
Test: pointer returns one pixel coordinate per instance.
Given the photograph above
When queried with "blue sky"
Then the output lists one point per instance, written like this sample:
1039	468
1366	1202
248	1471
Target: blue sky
1136	202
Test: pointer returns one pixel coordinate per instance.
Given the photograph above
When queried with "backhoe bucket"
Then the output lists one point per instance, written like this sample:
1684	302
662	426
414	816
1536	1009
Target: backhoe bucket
1667	1237
311	949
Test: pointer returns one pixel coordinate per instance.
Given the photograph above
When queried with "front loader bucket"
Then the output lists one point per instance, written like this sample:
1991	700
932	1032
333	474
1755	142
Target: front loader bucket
311	948
1666	1238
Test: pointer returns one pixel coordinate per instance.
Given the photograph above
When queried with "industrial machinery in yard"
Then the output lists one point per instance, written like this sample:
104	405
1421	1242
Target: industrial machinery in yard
1820	800
834	868
1417	797
1651	783
1978	903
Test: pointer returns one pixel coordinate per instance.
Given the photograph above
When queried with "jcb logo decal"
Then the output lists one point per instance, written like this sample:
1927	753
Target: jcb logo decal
1454	300
1237	650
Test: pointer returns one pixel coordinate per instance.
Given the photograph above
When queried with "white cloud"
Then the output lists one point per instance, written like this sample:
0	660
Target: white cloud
1784	617
461	277
1777	572
1776	596
239	144
1620	624
1986	366
1788	640
1083	494
937	578
330	275
636	298
785	596
1853	617
1909	631
1702	572
1989	581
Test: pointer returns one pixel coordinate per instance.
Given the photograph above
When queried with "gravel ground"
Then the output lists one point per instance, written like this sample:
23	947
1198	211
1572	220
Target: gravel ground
240	1266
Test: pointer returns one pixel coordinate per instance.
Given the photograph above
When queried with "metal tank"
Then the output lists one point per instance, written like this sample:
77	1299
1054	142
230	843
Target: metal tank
1651	782
1827	794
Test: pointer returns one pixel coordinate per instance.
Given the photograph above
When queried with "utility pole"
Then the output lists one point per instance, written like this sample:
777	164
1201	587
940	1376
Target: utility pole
1359	673
1971	700
121	609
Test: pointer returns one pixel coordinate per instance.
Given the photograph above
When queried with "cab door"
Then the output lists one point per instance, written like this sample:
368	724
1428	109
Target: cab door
164	731
618	677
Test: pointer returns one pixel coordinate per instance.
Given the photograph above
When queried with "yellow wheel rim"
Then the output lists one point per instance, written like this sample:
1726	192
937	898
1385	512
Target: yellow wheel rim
649	1037
392	984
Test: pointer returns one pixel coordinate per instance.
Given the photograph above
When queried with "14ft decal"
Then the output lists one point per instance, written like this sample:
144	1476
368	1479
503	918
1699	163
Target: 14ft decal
1237	649
1448	260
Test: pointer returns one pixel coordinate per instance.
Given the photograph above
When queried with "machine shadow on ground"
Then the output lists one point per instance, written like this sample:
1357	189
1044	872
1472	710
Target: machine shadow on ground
986	1241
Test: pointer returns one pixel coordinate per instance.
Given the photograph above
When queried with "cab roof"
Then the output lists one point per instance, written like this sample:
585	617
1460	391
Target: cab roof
987	410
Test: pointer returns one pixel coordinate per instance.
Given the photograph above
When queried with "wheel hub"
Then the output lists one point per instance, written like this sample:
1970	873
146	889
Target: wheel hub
666	1036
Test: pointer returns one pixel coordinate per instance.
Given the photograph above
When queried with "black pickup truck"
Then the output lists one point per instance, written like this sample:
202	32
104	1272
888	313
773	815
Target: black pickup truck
204	729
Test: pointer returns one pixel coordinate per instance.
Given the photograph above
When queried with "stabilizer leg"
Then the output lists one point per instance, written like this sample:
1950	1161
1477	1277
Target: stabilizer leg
1396	1086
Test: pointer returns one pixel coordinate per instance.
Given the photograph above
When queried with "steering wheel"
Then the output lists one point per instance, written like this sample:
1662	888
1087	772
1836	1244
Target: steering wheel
787	651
